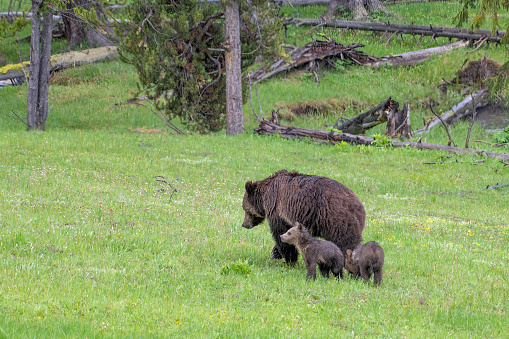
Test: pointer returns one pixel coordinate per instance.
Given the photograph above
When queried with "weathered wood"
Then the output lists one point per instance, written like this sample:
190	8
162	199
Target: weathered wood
415	57
373	117
398	123
434	31
326	2
308	54
313	51
462	110
270	127
63	60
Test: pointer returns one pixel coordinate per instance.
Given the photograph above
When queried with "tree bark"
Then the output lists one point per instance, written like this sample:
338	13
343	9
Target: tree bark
359	12
462	110
234	116
331	9
373	117
38	84
77	30
44	71
270	127
61	61
398	123
33	80
74	28
433	31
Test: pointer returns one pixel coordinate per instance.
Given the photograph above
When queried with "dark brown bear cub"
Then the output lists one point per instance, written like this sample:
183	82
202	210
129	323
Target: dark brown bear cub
366	260
324	253
327	208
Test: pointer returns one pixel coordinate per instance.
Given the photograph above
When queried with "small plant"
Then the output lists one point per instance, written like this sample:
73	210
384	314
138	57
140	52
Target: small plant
502	137
238	267
382	141
342	146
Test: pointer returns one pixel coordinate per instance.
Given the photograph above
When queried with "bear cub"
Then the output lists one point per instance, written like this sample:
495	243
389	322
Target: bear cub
326	254
366	260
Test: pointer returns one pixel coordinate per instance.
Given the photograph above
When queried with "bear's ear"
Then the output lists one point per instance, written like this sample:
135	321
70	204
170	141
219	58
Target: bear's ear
348	254
299	225
250	187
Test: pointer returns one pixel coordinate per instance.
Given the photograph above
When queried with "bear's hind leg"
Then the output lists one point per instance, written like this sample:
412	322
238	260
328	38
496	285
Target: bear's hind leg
377	277
324	269
365	272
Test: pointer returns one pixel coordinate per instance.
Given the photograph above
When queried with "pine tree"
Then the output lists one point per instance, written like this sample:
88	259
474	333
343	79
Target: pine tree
179	46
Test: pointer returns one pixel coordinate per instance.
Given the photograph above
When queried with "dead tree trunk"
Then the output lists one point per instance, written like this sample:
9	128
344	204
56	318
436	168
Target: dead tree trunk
460	111
433	31
38	84
375	116
398	123
78	30
234	117
272	126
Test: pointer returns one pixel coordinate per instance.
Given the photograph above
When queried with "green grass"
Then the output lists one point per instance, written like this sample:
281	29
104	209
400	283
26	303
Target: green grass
89	242
93	246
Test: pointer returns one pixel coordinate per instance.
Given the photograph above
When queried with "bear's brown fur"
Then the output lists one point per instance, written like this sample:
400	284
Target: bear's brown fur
325	254
366	260
327	208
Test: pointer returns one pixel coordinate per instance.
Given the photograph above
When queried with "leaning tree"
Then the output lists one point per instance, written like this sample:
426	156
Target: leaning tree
183	53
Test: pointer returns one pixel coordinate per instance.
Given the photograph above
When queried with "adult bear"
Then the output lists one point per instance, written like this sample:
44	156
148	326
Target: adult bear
327	208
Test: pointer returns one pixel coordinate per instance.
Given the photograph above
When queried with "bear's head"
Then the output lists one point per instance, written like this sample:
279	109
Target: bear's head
253	206
293	234
351	265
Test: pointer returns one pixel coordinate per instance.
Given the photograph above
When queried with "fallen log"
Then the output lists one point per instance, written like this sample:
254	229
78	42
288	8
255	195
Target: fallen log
462	110
272	126
415	57
326	2
373	117
433	31
60	61
308	54
314	51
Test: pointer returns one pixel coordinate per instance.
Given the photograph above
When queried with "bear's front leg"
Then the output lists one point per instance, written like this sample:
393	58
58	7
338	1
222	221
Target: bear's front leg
311	268
275	254
278	227
290	253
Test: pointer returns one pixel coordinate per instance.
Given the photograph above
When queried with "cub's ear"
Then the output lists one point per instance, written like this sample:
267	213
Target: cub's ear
250	187
348	254
299	225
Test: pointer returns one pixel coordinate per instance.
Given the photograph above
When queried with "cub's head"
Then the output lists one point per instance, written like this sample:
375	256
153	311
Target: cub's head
351	265
293	234
253	206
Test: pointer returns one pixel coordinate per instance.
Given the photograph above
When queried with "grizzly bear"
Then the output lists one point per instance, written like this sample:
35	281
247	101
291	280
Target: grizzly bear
366	260
327	208
324	253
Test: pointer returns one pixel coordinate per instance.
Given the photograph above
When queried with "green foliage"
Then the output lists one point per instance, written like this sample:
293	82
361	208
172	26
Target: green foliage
240	267
483	9
502	137
179	47
499	85
10	29
382	141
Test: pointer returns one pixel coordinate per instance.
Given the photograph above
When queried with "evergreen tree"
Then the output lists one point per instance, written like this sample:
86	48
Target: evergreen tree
179	47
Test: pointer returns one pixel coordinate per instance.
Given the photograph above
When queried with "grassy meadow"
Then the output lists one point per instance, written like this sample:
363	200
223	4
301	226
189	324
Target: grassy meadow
92	245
